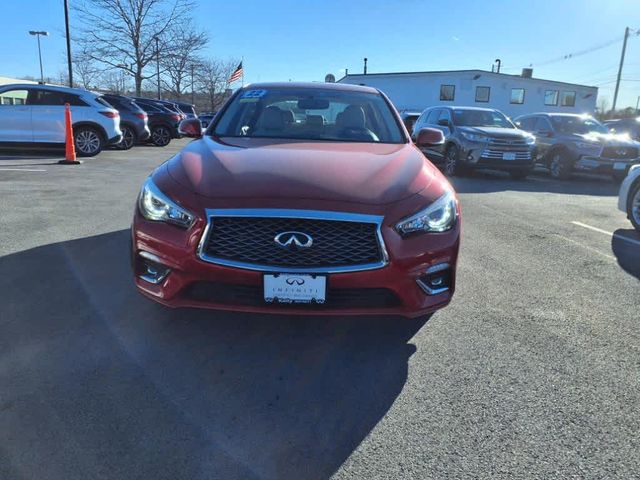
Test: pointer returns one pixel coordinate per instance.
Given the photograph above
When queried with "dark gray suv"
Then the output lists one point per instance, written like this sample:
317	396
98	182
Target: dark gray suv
477	138
133	121
569	142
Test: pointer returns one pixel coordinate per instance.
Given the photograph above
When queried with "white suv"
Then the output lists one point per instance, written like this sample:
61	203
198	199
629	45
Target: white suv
34	114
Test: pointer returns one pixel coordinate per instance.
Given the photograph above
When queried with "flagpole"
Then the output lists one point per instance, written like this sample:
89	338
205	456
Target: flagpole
242	63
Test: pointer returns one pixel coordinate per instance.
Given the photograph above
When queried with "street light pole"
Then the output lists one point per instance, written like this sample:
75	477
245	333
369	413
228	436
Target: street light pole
66	24
158	63
38	33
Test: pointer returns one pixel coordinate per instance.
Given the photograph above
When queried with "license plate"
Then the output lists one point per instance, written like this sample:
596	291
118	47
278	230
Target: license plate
294	288
509	156
619	166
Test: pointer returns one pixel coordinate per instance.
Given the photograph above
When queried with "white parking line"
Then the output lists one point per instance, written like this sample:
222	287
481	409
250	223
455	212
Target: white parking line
21	170
587	247
611	234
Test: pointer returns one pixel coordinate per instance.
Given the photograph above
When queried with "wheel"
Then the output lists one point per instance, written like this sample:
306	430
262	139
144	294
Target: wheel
633	206
160	136
452	166
88	141
559	165
519	174
128	138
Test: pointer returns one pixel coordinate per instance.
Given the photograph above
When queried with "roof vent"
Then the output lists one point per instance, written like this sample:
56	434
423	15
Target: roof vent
527	72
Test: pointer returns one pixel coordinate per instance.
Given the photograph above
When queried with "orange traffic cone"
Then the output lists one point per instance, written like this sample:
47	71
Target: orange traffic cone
70	148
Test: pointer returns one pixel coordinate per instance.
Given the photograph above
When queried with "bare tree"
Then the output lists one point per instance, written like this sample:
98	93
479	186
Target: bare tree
129	34
213	80
85	69
181	61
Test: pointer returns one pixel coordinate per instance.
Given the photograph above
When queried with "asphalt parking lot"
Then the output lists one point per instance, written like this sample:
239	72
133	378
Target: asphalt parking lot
533	371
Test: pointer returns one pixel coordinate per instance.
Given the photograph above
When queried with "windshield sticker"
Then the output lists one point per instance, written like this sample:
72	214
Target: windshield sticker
254	94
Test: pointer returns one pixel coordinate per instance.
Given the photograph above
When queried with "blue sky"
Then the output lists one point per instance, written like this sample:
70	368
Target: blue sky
304	40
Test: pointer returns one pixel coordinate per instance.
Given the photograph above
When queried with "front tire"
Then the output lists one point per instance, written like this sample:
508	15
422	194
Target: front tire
128	138
633	206
452	166
160	136
559	165
88	141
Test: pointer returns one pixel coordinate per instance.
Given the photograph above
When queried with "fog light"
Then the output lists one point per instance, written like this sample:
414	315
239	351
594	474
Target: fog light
471	158
151	269
437	279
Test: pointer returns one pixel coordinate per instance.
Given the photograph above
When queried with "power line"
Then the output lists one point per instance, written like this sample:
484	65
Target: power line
573	55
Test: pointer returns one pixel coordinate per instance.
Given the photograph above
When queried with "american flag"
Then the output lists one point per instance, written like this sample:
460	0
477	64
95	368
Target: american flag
238	72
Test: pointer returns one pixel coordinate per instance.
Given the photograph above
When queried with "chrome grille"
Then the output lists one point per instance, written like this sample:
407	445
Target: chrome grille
246	239
498	146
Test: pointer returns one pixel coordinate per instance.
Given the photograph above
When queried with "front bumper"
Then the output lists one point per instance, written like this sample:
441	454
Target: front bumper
478	156
391	290
587	163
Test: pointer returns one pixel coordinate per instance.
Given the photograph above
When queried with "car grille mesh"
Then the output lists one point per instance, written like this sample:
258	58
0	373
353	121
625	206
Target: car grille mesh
250	240
620	152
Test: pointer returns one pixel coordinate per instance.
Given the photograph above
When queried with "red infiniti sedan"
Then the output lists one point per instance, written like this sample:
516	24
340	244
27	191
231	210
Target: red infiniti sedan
299	198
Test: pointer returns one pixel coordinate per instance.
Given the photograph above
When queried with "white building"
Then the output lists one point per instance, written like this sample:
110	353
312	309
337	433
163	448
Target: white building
512	94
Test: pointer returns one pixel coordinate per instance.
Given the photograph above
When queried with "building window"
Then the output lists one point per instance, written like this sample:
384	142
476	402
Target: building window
517	95
447	93
568	99
482	94
551	97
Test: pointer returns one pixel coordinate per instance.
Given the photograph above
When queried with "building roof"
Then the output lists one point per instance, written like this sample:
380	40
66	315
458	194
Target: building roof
482	72
315	85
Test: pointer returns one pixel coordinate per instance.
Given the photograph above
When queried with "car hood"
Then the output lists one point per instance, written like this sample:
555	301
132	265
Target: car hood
496	132
607	139
279	169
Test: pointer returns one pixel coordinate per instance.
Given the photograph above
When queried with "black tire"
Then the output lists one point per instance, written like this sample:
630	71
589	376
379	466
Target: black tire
519	174
129	138
559	165
160	135
452	166
88	141
633	205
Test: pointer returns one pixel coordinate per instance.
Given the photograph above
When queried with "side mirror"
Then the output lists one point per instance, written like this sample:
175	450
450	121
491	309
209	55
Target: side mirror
430	137
191	127
443	122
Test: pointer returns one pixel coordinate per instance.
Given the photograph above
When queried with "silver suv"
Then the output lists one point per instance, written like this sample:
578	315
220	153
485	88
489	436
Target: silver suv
34	115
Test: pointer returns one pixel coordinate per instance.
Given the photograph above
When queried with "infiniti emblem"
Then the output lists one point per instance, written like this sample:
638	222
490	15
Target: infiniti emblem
622	152
293	240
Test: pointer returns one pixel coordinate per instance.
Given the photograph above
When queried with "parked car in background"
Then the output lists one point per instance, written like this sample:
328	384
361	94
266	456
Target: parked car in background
167	105
206	118
163	123
629	196
133	121
409	119
477	138
34	115
270	215
570	142
188	109
630	126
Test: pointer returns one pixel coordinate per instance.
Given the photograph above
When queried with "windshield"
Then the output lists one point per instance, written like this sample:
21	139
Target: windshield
577	125
310	114
480	118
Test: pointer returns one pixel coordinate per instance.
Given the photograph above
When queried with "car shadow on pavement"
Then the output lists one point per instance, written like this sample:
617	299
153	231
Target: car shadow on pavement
627	253
98	382
488	181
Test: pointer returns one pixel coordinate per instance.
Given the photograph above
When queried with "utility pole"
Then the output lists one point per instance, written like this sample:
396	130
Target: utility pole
365	65
192	87
66	24
624	49
158	63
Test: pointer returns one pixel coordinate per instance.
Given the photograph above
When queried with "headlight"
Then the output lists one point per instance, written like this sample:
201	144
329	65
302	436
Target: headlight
474	137
530	139
155	205
588	146
440	216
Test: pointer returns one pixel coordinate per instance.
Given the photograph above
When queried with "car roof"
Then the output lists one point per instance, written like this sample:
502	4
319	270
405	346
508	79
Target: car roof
57	88
346	87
